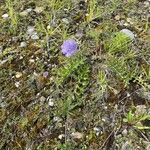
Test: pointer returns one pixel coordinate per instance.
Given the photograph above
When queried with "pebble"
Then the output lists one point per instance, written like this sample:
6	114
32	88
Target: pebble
65	20
5	16
117	17
18	75
30	30
42	98
51	103
29	10
128	33
146	4
57	119
125	132
23	44
97	130
77	135
48	27
39	10
61	136
79	34
31	60
34	36
17	84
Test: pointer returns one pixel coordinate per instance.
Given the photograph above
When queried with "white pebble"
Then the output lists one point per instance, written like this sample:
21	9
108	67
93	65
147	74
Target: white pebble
61	136
38	9
29	10
17	84
34	36
30	30
51	103
18	75
5	16
128	33
23	44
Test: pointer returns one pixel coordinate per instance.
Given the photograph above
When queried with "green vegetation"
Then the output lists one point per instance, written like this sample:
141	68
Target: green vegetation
98	98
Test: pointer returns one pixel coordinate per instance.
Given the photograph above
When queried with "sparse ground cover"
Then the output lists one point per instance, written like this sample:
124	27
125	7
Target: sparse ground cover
98	98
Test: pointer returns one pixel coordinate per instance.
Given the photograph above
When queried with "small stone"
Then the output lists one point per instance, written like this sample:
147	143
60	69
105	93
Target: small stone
117	17
42	98
79	34
17	84
51	103
30	30
39	10
147	4
57	119
128	33
34	36
31	60
18	74
77	135
29	10
125	132
5	16
97	129
65	20
48	27
61	136
23	44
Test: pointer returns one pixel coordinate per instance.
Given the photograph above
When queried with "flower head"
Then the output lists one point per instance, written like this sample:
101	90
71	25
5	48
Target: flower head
45	74
69	47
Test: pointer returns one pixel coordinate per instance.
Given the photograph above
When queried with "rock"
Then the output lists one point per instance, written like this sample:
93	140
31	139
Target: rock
129	33
79	34
23	44
30	30
125	132
31	60
147	4
51	103
77	135
18	75
5	16
39	10
117	17
29	10
61	136
42	98
17	84
97	130
34	36
65	20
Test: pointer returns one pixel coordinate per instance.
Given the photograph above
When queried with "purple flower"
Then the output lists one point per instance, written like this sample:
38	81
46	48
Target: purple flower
45	74
69	47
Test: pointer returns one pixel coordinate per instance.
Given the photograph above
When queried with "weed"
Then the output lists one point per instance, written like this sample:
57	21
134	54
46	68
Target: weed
13	16
69	67
135	120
